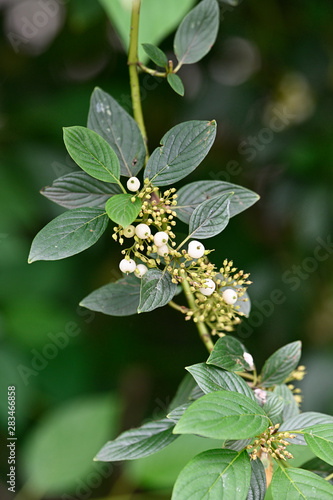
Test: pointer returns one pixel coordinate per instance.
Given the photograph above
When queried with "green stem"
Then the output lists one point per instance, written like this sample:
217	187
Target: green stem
173	304
202	329
183	242
330	476
177	68
245	375
153	72
133	72
122	187
255	376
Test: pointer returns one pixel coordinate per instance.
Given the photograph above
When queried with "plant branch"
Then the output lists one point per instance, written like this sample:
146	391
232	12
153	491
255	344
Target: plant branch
133	71
202	329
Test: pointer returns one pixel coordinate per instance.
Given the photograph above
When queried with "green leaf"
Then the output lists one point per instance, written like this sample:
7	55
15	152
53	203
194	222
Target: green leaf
78	189
274	408
214	475
182	149
197	33
195	193
92	153
318	466
258	481
320	439
280	365
178	412
236	444
157	290
297	484
122	210
115	299
55	456
290	408
228	354
209	379
138	443
156	55
223	415
210	217
158	19
196	393
68	234
303	421
176	83
183	393
119	129
159	471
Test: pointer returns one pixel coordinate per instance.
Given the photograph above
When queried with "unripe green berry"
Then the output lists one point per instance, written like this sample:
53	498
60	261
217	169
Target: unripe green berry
129	231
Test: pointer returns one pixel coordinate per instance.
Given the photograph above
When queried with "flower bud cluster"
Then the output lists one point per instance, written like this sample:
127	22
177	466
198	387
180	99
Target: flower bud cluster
273	443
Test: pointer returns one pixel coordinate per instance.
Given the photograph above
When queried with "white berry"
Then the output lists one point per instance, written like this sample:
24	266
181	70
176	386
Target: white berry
249	360
163	250
129	231
196	249
210	288
140	270
133	184
161	238
127	266
229	296
142	231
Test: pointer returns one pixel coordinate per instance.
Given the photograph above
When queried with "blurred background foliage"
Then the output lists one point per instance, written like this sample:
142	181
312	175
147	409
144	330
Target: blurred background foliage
82	377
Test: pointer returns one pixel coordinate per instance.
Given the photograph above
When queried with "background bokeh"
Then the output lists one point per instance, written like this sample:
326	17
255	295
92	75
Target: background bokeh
81	377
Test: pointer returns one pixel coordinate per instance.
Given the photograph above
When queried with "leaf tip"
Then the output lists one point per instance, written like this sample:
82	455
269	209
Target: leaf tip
31	258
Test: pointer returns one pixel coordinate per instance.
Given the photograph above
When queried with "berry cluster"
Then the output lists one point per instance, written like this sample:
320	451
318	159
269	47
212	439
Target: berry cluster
217	294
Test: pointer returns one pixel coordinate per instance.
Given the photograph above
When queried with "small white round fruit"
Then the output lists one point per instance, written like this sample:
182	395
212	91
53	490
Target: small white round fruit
196	249
140	270
127	266
249	360
161	238
133	184
129	231
210	288
163	250
142	231
229	296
